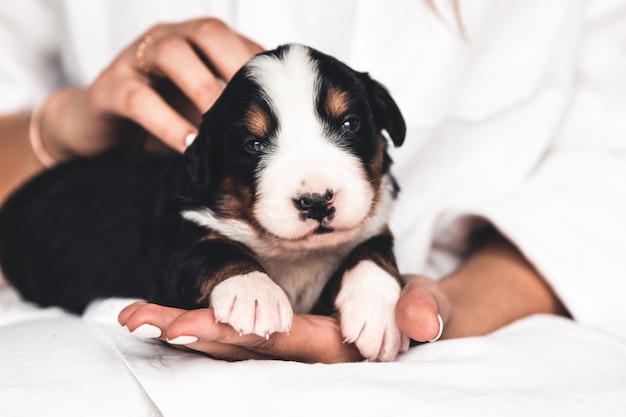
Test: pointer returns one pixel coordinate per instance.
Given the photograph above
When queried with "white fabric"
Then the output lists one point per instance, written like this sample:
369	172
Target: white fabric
521	123
540	366
56	364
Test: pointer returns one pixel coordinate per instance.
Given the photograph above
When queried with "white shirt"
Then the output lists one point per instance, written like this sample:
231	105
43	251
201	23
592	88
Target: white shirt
520	123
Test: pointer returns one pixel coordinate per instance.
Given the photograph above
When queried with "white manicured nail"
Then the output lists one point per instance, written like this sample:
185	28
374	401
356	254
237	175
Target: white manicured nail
183	340
148	331
190	138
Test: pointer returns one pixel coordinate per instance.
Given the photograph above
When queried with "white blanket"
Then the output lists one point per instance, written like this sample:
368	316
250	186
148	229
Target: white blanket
53	363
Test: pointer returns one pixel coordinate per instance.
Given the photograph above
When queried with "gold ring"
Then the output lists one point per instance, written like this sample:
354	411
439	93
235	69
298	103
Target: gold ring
36	141
140	53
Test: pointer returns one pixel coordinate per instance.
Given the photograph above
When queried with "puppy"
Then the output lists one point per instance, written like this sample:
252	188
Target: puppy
279	206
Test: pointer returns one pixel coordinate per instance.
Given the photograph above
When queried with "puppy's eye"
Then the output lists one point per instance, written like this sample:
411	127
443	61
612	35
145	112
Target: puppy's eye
254	145
350	125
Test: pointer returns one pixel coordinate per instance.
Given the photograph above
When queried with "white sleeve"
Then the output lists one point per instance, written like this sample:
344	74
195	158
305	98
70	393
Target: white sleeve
569	217
29	63
569	220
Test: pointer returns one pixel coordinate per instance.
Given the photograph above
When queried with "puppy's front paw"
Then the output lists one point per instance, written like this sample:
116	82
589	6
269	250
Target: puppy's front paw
366	303
252	303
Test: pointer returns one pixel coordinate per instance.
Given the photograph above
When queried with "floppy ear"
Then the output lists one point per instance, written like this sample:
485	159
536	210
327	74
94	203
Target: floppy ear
387	114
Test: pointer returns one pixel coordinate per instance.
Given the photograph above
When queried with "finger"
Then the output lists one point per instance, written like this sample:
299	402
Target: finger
138	102
207	334
183	327
311	339
226	50
316	339
126	312
419	309
173	57
198	330
202	324
154	321
141	313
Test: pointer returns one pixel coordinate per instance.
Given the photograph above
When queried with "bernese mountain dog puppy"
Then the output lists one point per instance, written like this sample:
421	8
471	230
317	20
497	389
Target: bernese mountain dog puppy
279	206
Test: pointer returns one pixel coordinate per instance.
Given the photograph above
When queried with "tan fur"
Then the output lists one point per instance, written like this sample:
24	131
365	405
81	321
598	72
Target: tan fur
236	202
337	103
258	122
374	173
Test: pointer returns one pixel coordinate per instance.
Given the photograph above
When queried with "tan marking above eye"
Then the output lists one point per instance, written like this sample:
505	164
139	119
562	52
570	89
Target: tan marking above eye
337	103
258	121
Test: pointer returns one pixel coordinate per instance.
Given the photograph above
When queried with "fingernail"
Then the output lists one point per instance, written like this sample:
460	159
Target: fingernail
440	329
148	331
182	340
190	138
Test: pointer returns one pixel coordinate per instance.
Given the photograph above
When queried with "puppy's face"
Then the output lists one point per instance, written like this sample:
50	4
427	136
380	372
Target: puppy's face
293	151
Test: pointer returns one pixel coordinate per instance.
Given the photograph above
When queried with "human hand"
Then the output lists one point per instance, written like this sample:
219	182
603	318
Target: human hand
495	286
157	87
422	309
311	339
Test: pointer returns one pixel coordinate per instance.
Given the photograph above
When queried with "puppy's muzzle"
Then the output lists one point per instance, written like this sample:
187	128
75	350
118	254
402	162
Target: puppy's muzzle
315	206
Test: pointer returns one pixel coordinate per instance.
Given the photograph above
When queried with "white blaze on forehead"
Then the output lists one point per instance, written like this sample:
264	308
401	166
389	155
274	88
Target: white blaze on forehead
304	157
290	86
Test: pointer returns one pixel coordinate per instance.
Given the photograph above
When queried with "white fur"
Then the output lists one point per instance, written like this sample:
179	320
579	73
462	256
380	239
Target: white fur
252	303
303	276
234	229
366	304
304	159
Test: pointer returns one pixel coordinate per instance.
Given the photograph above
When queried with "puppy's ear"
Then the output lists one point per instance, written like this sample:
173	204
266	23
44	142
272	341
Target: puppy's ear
387	114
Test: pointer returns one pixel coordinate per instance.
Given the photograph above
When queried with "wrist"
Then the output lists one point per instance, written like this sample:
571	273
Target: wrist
52	126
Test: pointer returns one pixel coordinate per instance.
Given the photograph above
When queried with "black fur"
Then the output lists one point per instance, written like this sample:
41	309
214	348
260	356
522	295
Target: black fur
111	226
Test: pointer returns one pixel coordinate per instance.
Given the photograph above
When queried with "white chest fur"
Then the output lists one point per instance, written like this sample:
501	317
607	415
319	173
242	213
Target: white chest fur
303	277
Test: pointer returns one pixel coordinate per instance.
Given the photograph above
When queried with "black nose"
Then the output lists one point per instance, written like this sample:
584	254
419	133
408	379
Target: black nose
315	206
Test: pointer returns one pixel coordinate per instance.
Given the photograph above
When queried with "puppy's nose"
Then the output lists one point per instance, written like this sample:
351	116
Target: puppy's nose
315	206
